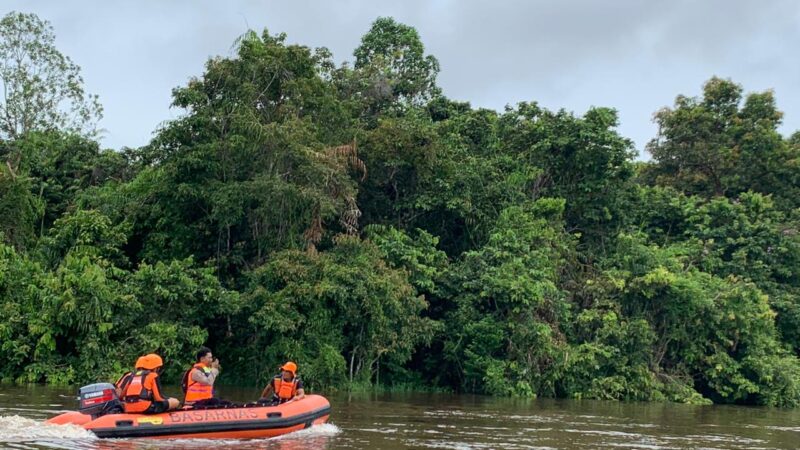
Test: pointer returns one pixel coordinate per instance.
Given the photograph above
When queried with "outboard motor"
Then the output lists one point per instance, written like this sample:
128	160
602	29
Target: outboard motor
99	399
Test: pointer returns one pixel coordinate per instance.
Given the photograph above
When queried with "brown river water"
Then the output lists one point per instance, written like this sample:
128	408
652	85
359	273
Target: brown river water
438	421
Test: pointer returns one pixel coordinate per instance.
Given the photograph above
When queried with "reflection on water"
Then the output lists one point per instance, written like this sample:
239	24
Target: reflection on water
443	421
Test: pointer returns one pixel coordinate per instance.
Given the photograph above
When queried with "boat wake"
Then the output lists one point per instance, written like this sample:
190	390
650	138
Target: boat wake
323	430
21	429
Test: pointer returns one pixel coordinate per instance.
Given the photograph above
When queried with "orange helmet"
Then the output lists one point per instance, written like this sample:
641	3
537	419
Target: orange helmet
290	367
139	362
151	361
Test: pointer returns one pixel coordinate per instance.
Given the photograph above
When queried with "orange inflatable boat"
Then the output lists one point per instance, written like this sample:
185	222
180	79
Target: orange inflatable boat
246	422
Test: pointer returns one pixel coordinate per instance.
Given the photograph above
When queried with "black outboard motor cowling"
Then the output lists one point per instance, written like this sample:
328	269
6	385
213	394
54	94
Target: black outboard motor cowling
99	399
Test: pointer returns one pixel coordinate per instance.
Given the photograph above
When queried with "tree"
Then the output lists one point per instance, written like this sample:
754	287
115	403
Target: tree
392	57
341	313
794	139
715	333
60	166
581	159
42	88
505	335
254	166
19	208
724	144
694	148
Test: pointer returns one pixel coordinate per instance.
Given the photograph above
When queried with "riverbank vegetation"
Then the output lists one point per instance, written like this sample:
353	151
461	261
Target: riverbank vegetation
357	220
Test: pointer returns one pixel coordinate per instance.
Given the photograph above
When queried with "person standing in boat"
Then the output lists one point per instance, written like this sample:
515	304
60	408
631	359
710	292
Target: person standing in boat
141	390
198	381
283	387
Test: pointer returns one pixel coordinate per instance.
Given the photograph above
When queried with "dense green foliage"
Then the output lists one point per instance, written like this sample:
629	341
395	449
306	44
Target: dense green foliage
356	220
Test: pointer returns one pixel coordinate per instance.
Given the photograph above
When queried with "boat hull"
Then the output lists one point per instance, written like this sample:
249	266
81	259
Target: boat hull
227	423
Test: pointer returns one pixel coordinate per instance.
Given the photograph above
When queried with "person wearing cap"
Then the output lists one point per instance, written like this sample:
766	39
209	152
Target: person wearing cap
141	391
283	387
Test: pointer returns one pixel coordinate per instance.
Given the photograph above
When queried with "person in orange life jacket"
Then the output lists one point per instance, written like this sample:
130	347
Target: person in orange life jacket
198	381
141	390
123	380
284	386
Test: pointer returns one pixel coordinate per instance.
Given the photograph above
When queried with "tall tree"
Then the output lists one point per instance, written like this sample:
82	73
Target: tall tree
42	88
694	147
252	168
724	144
392	56
582	160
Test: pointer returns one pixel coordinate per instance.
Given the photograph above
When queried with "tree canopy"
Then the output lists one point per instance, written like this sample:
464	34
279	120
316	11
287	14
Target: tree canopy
42	89
356	220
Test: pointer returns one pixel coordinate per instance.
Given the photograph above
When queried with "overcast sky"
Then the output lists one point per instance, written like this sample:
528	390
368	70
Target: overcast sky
633	55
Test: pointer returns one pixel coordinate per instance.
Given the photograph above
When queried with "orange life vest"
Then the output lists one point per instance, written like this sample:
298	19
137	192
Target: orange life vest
123	380
139	391
194	390
284	390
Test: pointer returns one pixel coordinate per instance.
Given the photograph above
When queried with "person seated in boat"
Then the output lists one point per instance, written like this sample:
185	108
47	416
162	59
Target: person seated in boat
198	381
124	378
141	391
283	387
